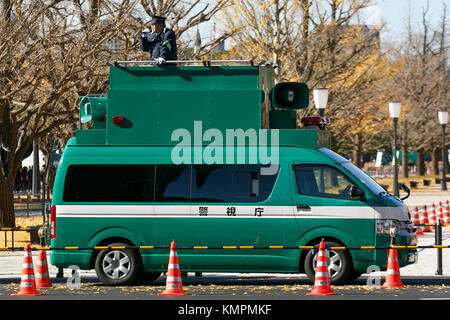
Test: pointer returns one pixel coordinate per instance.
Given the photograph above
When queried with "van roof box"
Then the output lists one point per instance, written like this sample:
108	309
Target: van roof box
146	104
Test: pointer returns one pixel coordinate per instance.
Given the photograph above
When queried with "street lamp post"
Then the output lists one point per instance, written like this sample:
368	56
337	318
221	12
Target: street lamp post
394	110
321	100
443	119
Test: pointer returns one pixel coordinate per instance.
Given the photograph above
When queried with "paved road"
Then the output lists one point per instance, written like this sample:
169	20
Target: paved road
238	287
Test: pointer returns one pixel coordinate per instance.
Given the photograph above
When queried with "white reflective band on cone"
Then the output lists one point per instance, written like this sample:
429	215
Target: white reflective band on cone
392	272
26	285
173	286
320	283
173	279
27	277
322	264
27	266
322	274
41	276
173	266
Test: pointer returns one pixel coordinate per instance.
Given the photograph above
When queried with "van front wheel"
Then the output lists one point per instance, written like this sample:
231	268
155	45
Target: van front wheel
339	264
117	267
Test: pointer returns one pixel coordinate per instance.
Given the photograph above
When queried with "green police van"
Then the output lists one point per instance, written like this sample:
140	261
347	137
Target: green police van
143	174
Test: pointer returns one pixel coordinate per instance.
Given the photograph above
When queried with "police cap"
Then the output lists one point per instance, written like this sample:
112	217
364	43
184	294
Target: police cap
157	19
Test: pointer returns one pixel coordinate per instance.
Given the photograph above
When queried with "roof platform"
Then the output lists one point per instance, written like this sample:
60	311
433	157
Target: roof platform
146	104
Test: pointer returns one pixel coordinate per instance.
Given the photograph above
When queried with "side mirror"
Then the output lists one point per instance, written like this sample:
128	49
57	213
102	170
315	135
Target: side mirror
406	189
358	194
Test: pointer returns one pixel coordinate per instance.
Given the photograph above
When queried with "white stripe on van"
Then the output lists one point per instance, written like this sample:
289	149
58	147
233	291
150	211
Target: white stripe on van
221	211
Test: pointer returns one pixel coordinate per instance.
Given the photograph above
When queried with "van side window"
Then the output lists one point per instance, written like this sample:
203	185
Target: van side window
109	183
231	183
167	183
211	183
322	181
172	183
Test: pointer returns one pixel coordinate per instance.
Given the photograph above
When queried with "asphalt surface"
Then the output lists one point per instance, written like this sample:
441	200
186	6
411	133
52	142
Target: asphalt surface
249	287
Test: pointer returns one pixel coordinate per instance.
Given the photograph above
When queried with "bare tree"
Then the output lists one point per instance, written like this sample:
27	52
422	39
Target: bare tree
46	60
314	42
422	83
54	51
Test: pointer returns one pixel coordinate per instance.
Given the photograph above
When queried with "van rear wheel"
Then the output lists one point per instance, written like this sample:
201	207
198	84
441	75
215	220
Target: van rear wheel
340	264
118	267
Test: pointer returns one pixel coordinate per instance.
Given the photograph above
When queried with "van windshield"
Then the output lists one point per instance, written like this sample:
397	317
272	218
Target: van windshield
354	170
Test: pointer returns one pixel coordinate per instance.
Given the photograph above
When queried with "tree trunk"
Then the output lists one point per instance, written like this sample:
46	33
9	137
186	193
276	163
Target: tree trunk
447	167
435	154
7	217
405	167
420	162
357	150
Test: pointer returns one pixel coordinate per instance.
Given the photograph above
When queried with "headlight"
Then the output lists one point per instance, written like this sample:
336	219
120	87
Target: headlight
385	226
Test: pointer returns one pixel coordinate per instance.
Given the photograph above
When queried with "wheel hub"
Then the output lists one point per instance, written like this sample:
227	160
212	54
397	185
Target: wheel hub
334	263
116	265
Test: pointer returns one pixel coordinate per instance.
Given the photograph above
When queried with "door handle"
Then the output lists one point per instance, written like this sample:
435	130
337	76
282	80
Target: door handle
303	207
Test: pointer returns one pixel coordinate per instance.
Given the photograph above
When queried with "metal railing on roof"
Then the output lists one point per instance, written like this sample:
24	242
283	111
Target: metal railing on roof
182	62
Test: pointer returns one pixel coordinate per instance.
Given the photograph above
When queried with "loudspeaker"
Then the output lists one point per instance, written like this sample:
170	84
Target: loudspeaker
92	109
289	95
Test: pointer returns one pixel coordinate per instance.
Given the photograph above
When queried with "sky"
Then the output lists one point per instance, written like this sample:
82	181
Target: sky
395	14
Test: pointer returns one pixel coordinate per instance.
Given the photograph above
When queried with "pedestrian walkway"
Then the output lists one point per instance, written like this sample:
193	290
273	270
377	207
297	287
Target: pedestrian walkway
420	199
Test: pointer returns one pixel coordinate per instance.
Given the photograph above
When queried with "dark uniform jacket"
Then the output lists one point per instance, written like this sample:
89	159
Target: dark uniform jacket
161	45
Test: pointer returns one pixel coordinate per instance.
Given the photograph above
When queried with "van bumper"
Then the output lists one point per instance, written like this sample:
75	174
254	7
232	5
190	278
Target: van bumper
405	256
65	259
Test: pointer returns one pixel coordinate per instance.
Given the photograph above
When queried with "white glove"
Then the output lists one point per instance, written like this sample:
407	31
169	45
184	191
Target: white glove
160	61
145	33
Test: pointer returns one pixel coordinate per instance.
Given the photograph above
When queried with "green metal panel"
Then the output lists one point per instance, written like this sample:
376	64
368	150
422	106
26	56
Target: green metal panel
152	117
184	78
283	119
91	137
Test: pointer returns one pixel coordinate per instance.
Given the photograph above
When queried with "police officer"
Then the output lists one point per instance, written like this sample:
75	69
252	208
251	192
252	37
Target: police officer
160	42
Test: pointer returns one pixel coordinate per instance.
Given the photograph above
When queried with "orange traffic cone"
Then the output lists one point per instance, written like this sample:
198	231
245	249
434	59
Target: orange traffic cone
42	276
27	282
433	217
424	219
174	286
440	212
322	276
416	217
447	213
393	279
416	220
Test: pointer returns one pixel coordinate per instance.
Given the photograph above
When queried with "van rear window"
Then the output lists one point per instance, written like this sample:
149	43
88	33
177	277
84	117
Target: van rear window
109	183
167	183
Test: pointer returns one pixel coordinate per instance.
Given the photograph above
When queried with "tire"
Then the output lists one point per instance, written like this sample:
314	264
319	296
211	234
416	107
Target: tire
340	264
119	267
